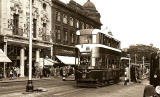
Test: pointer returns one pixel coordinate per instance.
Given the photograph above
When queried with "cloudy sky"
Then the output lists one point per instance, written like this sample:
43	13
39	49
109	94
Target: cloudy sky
131	21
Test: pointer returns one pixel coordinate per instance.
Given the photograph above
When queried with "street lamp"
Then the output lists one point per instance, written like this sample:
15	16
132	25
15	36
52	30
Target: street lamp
29	87
129	68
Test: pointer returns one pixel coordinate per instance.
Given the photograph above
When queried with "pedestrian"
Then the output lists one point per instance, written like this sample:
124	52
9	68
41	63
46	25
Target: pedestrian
11	74
126	79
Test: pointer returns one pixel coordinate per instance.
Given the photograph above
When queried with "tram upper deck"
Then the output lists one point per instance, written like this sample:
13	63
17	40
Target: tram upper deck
91	38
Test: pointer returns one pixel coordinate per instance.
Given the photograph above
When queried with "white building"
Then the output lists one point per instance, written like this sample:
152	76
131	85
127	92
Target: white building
14	32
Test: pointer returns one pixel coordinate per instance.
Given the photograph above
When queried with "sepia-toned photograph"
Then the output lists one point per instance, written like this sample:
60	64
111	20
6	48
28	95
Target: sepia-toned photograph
79	48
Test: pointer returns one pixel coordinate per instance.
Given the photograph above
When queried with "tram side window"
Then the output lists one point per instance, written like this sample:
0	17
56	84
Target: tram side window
98	61
109	65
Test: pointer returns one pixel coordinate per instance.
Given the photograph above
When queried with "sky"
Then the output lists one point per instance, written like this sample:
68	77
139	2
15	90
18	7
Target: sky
131	21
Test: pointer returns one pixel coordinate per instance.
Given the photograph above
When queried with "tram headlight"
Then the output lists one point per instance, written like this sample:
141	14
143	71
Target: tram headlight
83	75
155	76
157	89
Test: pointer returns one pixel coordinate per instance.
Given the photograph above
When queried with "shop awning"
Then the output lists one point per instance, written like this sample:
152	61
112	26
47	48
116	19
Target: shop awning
3	57
68	60
47	62
124	58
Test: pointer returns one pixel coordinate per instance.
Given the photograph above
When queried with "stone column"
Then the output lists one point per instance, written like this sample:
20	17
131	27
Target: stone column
22	56
52	52
37	55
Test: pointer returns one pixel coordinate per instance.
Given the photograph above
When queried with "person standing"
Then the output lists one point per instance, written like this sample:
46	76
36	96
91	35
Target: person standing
11	74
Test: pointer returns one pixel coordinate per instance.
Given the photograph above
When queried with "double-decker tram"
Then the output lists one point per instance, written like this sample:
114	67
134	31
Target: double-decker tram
99	58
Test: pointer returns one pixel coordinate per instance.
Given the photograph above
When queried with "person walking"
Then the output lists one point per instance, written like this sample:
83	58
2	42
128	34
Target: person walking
126	73
11	74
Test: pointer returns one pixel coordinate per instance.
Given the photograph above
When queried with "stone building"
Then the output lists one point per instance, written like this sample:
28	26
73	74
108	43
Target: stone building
66	20
54	29
14	32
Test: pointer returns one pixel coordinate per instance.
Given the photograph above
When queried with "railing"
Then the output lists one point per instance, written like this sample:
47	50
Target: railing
18	31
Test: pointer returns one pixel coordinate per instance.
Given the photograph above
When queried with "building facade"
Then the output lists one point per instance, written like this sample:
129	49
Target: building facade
14	32
67	19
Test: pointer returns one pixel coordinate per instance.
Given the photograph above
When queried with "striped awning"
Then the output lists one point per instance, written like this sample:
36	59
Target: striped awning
3	57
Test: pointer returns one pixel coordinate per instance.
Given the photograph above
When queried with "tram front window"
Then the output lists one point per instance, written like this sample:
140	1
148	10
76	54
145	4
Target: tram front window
85	61
85	39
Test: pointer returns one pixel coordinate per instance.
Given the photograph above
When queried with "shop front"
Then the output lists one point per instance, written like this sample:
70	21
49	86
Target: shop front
17	49
65	55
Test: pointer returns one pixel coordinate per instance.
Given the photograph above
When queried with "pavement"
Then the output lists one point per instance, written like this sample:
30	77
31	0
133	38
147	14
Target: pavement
19	79
41	92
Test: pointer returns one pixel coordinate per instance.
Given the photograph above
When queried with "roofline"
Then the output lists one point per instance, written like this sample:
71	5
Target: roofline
70	8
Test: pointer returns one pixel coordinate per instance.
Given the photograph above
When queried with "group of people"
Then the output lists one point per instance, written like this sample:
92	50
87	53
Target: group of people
136	74
14	72
48	71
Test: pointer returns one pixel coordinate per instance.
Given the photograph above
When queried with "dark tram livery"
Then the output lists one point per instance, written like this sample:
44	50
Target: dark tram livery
153	90
99	61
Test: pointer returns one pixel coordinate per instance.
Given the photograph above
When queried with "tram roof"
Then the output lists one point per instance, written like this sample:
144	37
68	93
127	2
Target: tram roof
94	31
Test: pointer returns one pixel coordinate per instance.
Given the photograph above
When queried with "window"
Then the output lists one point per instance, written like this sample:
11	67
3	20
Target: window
66	35
72	38
58	16
15	24
82	25
58	34
77	24
34	28
44	6
71	21
87	48
44	28
87	26
64	18
85	39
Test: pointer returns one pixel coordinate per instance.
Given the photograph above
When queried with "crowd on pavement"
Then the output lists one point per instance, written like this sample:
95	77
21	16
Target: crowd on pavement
51	71
46	72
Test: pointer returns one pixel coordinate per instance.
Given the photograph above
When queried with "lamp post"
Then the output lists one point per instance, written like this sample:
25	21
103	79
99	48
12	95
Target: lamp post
29	87
129	68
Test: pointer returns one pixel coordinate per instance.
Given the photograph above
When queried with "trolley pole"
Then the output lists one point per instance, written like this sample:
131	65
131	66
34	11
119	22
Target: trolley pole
29	87
129	70
143	67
